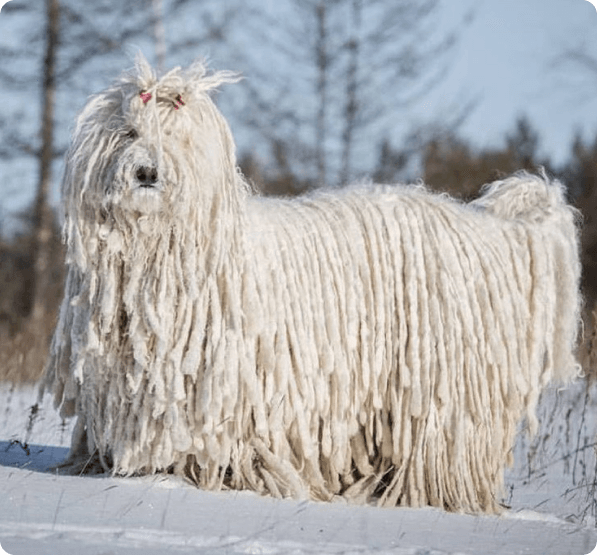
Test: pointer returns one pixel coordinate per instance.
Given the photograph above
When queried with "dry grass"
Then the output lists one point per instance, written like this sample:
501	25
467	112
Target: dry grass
555	471
22	357
23	343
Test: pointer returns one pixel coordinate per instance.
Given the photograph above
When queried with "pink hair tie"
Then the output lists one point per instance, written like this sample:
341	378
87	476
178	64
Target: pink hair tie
178	102
145	97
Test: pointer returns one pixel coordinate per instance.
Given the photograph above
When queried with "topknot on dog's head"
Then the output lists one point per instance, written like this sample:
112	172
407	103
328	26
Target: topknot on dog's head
174	89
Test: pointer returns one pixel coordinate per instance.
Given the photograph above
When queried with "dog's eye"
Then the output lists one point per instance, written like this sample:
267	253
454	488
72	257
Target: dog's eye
131	135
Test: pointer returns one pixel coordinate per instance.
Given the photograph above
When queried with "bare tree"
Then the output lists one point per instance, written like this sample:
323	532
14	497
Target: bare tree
353	48
43	217
322	56
342	67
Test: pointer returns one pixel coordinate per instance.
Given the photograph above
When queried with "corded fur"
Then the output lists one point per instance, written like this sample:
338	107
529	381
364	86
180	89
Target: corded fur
380	343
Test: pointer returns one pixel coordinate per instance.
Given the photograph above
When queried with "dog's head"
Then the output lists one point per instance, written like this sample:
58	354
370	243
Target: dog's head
150	144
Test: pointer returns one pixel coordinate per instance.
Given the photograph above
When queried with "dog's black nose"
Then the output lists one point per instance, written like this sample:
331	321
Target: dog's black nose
146	176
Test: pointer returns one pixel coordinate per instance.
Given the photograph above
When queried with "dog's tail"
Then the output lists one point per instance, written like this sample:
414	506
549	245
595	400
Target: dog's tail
552	234
525	196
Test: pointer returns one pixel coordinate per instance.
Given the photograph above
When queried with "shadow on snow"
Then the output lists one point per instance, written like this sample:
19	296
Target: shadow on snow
39	458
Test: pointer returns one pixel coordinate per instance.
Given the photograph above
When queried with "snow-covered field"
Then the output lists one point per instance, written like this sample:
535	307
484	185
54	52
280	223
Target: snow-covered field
551	490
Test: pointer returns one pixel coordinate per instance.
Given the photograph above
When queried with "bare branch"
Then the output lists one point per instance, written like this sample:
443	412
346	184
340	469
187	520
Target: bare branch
580	57
16	7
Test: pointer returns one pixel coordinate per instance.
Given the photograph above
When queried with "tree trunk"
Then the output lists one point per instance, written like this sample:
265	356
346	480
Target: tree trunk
322	75
43	213
351	106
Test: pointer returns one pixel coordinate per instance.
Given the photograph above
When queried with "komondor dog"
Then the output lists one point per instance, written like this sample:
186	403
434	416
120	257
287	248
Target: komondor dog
380	343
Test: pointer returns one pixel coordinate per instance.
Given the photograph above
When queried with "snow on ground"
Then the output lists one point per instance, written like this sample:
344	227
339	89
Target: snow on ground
551	490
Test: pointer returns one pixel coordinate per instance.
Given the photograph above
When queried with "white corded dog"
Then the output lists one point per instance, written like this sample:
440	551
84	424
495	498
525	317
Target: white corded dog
380	343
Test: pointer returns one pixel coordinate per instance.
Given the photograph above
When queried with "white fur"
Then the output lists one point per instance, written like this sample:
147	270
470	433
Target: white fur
379	342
